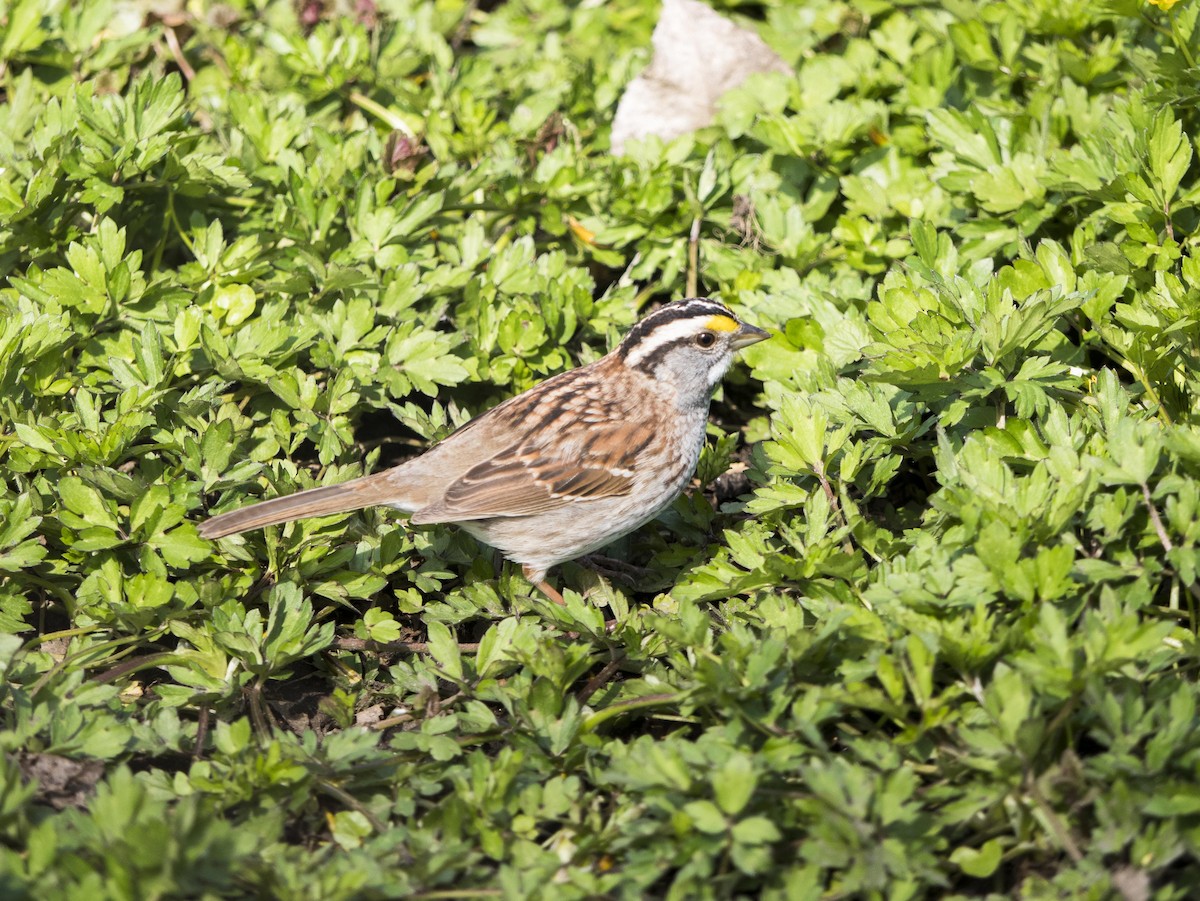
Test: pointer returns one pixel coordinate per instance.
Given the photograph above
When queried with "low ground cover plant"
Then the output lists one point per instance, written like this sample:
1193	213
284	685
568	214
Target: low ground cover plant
925	624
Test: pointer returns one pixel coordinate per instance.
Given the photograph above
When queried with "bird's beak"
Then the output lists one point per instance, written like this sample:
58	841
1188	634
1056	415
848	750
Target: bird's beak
747	335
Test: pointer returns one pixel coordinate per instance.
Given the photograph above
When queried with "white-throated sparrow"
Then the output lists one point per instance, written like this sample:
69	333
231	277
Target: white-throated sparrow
563	469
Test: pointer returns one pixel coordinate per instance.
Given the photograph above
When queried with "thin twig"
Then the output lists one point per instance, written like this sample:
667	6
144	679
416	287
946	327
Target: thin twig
412	647
656	700
436	706
391	118
1060	830
1057	826
176	51
352	802
1156	520
201	733
260	714
831	496
599	680
1163	538
464	26
133	664
77	657
1144	380
693	273
398	720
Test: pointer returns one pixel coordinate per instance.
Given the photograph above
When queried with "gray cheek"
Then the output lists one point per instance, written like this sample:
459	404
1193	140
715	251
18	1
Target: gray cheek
717	370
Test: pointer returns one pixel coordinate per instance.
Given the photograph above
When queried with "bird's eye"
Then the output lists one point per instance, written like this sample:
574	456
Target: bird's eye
706	339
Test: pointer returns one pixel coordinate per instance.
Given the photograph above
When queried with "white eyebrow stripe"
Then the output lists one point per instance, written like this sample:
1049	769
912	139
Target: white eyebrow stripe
664	334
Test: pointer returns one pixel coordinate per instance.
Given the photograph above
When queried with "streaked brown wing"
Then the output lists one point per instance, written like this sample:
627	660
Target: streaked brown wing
527	479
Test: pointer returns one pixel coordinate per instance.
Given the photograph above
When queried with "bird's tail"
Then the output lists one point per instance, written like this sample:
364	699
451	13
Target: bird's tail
353	495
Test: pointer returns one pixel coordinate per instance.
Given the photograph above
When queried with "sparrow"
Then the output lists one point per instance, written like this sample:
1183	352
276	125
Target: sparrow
563	469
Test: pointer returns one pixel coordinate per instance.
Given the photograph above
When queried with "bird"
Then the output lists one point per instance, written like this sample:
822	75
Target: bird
565	468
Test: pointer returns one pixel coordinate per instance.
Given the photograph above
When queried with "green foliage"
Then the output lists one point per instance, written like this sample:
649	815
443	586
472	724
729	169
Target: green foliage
937	645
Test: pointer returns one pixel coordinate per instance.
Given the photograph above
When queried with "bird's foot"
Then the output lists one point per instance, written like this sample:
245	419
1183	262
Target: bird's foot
612	568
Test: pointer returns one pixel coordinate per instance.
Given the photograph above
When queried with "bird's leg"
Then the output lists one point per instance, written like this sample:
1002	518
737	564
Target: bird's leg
545	588
542	585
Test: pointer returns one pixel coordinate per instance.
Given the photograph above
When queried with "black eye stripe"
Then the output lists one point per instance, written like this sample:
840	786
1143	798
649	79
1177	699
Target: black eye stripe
672	312
649	363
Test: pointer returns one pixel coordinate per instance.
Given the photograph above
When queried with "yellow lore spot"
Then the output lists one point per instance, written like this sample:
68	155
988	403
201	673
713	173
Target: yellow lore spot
722	324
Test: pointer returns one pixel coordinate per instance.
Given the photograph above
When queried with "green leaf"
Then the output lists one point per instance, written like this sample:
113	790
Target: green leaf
381	626
443	646
1170	154
756	831
706	817
234	303
86	502
181	546
981	862
733	784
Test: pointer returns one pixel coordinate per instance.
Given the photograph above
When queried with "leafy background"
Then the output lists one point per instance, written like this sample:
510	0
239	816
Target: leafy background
937	636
